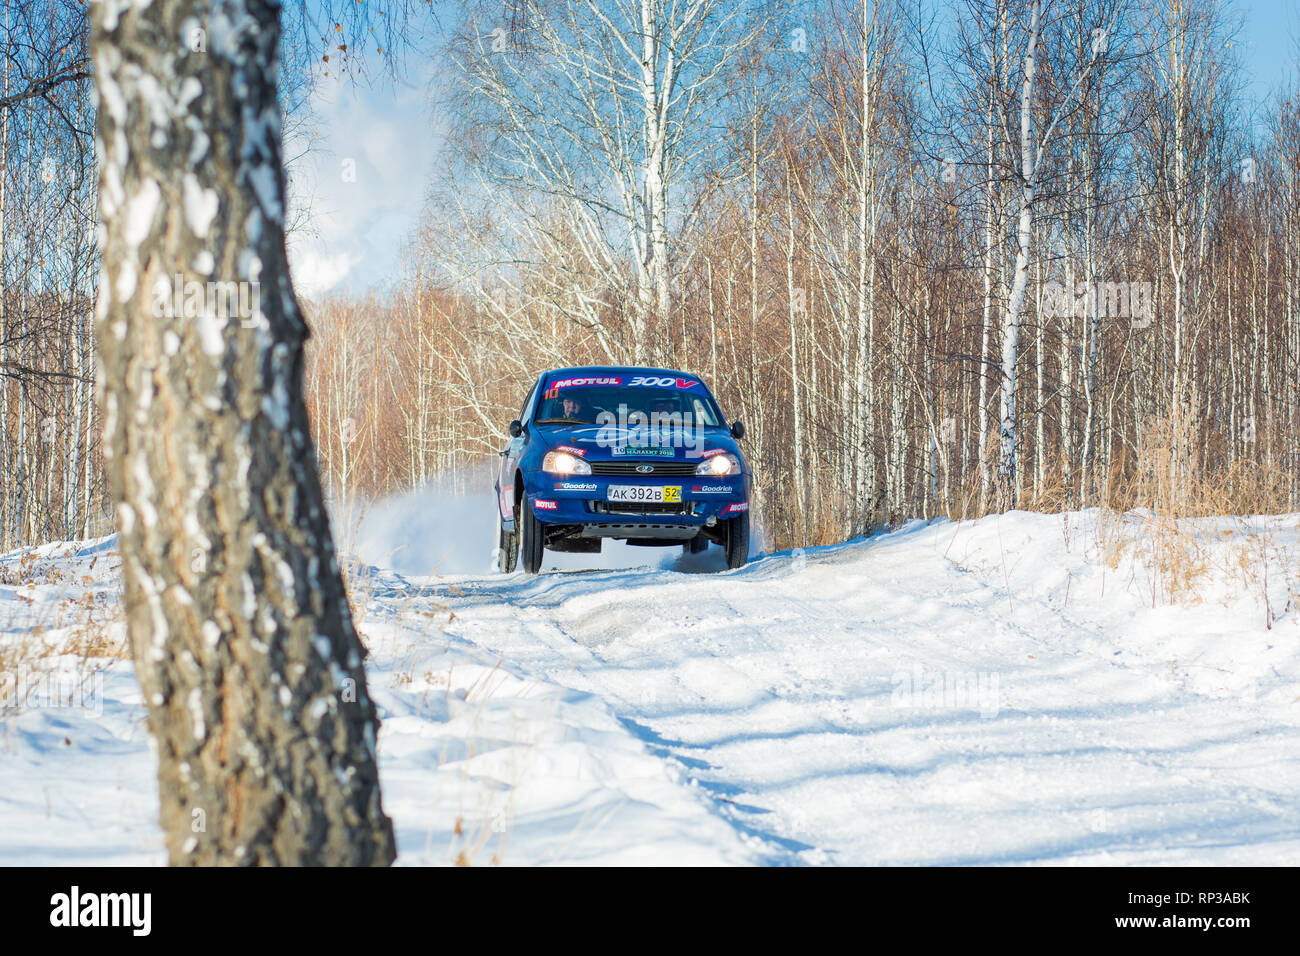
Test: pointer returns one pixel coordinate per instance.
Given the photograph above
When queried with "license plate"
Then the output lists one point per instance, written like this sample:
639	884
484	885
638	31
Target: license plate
664	493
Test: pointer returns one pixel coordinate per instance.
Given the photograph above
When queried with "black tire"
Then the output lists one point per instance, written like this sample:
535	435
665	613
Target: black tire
696	545
737	546
508	547
530	537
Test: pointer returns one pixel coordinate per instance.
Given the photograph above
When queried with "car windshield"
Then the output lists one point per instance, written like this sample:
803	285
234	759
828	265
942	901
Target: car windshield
604	404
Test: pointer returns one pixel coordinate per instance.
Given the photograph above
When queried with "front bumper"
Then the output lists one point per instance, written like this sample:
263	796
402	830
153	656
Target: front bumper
582	501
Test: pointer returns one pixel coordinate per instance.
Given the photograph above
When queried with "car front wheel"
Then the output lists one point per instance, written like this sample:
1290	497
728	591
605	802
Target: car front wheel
737	546
530	537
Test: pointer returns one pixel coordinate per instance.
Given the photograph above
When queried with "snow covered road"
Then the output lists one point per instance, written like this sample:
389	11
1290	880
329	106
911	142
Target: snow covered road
1003	691
934	695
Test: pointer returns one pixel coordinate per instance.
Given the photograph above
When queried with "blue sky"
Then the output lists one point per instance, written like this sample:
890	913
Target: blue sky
388	136
1269	36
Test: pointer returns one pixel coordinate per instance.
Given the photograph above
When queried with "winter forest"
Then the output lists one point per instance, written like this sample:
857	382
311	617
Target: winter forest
1005	294
941	260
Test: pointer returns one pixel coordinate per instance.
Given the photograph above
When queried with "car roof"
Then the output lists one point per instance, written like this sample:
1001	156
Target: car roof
578	370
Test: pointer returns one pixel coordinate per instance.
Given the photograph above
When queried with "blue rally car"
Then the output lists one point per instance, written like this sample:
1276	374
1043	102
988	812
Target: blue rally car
642	455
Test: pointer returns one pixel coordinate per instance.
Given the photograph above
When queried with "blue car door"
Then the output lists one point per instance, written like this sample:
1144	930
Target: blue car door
514	450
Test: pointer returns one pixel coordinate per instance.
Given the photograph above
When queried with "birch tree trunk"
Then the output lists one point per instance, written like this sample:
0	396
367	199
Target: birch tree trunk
657	95
793	313
239	624
866	492
990	242
1020	278
982	408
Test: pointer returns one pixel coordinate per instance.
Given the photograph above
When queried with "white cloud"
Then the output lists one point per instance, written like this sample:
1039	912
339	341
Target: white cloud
361	184
316	271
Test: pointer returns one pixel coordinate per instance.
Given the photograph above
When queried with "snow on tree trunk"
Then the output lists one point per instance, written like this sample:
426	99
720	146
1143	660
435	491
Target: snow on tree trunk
239	624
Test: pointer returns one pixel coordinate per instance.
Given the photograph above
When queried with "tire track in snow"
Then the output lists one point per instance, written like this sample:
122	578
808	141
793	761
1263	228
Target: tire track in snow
791	697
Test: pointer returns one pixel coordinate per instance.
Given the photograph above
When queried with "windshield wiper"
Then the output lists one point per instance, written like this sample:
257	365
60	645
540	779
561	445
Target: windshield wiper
562	421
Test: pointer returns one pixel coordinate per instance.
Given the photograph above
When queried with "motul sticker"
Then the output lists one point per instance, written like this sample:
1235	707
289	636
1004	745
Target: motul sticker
541	504
732	509
713	451
576	382
580	452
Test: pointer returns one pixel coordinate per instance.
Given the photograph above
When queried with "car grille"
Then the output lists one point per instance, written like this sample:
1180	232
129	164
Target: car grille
661	468
642	507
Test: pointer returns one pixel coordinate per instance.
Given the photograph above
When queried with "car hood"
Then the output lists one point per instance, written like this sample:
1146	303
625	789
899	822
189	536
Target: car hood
598	442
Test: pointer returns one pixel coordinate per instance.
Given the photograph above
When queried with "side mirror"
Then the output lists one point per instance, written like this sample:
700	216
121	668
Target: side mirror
738	429
516	429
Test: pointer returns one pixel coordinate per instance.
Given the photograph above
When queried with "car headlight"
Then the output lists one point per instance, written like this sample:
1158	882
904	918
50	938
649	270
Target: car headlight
719	466
562	463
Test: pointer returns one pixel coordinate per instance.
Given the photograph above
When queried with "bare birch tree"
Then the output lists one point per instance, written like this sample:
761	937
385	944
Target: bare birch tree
1032	147
242	636
585	119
